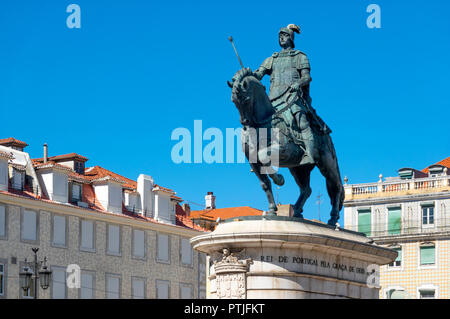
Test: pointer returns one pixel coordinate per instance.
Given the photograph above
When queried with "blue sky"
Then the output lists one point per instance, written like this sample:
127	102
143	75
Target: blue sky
115	89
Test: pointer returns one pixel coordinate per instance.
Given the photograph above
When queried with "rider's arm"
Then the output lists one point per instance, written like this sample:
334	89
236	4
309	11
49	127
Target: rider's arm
265	68
303	68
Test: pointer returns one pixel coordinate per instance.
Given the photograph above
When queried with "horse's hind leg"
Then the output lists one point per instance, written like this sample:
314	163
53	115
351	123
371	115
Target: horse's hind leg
330	170
266	186
302	176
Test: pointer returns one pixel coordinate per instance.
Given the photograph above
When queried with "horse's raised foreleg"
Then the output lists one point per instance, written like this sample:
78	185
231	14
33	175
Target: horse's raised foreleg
266	186
302	175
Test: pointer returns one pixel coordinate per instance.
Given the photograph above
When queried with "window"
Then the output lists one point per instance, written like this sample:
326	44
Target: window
394	220
2	279
87	235
396	294
163	248
162	289
427	293
185	291
59	283
76	192
87	286
79	167
138	243
138	288
17	179
113	239
364	221
29	225
427	255
2	222
427	215
112	286
186	252
59	230
398	261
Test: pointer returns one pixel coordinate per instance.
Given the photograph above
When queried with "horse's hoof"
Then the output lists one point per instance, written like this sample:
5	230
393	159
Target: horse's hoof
298	215
332	222
278	179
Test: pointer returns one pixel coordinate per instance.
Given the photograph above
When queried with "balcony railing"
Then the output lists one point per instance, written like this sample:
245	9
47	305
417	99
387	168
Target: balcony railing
422	184
408	227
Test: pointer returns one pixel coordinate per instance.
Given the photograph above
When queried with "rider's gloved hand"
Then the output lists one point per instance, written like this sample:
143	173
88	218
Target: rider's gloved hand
295	87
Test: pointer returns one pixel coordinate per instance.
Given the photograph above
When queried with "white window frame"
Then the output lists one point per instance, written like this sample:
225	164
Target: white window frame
191	257
63	270
436	256
5	230
22	220
397	288
89	273
157	282
88	249
397	268
186	285
3	276
428	287
427	225
59	245
80	193
158	259
108	240
116	276
134	256
141	279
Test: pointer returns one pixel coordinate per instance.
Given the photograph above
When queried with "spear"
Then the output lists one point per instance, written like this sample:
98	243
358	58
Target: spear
232	43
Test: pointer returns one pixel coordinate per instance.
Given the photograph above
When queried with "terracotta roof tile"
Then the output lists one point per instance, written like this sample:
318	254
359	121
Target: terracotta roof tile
444	162
63	157
225	213
13	141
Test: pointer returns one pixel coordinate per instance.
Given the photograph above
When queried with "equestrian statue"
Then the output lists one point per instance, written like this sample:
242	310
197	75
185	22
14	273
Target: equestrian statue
302	140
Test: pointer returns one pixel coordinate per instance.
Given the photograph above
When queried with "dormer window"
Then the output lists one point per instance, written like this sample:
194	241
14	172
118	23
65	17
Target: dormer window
76	194
17	178
79	167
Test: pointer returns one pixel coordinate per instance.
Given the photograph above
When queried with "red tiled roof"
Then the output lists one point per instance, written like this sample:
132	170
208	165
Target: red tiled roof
183	220
12	141
63	157
97	172
225	213
51	164
444	162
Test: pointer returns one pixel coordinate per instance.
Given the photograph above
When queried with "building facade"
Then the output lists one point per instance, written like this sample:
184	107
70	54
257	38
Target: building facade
411	214
129	239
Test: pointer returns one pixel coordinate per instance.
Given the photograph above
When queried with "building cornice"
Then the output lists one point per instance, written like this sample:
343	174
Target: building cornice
87	213
396	199
384	240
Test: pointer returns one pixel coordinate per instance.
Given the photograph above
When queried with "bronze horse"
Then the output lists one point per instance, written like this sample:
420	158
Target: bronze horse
256	113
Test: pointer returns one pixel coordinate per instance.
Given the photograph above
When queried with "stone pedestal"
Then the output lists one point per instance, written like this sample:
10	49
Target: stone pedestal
275	257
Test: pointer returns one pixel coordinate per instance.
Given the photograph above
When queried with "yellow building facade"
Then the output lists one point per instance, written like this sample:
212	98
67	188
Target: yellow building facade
411	214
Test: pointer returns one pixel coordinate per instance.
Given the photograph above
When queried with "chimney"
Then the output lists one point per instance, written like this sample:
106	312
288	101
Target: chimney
45	153
210	201
187	209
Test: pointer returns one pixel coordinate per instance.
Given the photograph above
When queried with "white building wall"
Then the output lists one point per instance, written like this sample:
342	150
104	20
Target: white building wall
3	174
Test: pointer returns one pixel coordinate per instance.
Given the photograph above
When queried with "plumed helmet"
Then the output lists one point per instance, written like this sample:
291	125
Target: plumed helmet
291	29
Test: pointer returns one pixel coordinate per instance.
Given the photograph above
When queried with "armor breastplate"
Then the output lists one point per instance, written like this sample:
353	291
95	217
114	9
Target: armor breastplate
284	74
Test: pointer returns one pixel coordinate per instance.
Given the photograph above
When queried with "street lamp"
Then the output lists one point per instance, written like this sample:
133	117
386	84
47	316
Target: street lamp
44	274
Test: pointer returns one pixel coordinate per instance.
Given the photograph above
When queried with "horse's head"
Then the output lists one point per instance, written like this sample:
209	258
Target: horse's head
246	91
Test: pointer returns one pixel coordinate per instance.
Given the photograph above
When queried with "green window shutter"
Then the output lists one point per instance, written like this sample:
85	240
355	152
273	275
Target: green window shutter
399	252
427	255
394	221
364	222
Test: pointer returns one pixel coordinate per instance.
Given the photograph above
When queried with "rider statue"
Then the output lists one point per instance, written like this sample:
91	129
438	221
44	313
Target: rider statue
290	78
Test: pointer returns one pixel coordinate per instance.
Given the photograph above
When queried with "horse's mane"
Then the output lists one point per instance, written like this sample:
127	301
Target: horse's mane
238	78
